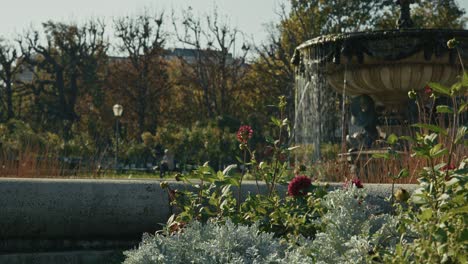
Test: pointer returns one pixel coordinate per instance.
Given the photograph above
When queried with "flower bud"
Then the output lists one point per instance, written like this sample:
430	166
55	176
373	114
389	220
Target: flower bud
164	185
402	195
302	167
412	94
452	43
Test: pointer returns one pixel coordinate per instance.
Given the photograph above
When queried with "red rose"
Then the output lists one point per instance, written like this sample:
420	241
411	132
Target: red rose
357	182
299	185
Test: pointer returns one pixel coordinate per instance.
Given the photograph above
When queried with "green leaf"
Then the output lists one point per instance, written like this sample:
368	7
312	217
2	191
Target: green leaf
451	182
421	151
220	175
456	88
232	181
444	109
425	214
430	139
460	210
293	148
461	171
433	128
208	211
261	210
229	170
276	121
418	198
445	217
439	88
269	139
464	237
392	139
465	79
440	235
461	133
403	174
437	151
463	107
225	190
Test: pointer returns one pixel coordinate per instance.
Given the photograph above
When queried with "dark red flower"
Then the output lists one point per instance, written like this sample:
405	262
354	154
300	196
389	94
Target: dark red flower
176	227
281	157
299	185
268	152
357	182
244	134
427	90
448	167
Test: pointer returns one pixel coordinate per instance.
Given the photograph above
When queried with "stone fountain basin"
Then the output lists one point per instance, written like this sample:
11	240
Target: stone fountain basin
385	64
92	221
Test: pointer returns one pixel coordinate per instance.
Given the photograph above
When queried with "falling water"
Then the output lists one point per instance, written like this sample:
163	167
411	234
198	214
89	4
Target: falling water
344	112
315	102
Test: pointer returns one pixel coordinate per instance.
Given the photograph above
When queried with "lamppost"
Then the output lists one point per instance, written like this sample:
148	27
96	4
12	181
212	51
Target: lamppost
118	109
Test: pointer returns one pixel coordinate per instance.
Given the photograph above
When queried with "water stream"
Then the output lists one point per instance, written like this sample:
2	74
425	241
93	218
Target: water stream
317	107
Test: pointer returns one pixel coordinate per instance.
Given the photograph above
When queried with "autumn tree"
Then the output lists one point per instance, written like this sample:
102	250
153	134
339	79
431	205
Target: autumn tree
139	79
65	59
8	69
303	21
427	14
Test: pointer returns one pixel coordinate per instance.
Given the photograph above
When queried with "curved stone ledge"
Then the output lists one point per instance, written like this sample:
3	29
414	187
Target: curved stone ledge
69	257
45	215
80	209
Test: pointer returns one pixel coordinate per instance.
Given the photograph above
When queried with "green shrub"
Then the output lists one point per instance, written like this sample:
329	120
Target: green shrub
17	136
199	144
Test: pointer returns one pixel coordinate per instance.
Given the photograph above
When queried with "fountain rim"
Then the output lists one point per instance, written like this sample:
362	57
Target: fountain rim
380	34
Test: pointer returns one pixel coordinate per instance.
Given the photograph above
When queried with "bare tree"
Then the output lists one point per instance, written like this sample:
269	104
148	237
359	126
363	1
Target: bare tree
8	69
65	59
141	75
211	66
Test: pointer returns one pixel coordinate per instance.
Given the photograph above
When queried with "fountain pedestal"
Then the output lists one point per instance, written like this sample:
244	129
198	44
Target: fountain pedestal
384	65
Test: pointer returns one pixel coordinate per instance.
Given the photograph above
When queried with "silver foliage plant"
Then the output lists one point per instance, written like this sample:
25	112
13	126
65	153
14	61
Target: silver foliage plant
215	243
353	231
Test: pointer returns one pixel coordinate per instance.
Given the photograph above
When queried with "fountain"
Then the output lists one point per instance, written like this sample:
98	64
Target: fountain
376	69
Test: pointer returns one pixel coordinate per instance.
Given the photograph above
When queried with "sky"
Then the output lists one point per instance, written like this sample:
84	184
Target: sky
249	16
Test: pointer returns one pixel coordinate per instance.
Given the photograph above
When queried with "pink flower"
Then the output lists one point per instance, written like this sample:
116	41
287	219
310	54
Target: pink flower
244	134
299	185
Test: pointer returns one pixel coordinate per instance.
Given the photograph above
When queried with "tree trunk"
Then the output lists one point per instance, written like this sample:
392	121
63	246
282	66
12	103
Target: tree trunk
9	97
